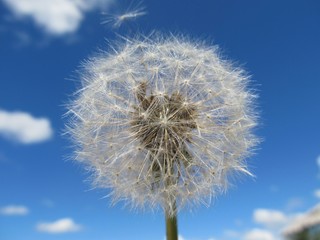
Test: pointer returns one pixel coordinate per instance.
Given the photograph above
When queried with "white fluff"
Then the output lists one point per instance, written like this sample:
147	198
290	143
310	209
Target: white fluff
216	137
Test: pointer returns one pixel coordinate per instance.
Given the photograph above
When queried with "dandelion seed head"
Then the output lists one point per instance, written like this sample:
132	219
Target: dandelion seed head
162	122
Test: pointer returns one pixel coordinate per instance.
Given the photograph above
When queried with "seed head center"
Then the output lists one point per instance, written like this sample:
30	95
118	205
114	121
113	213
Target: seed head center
161	121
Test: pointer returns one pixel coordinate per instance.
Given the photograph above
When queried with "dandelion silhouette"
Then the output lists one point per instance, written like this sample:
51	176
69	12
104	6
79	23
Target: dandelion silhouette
162	122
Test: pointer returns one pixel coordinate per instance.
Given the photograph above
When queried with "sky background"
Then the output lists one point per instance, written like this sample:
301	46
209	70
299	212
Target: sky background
45	196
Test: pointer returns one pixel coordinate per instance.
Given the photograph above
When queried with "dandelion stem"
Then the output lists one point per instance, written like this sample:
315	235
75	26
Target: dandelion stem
171	211
171	226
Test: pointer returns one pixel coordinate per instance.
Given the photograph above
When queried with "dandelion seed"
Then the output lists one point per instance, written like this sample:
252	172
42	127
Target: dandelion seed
164	124
116	20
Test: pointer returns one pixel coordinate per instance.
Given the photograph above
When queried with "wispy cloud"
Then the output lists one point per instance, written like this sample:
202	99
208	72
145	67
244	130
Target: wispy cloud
259	234
63	225
273	224
270	218
24	128
56	17
13	210
303	221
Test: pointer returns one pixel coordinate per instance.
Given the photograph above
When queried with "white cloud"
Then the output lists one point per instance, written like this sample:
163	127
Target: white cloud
317	193
269	218
56	17
12	210
24	128
181	238
63	225
259	234
303	220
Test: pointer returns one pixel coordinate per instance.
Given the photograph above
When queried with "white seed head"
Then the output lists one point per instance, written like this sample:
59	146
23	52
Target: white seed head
162	122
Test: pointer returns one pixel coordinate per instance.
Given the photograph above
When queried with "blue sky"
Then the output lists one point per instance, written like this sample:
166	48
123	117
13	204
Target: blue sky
46	196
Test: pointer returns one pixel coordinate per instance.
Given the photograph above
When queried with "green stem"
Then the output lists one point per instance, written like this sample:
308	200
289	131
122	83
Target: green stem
171	219
171	227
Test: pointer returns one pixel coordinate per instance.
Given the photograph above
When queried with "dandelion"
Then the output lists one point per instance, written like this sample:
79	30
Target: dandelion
133	12
162	122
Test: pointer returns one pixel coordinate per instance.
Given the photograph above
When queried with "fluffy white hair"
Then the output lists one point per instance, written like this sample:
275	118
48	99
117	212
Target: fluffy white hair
161	121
